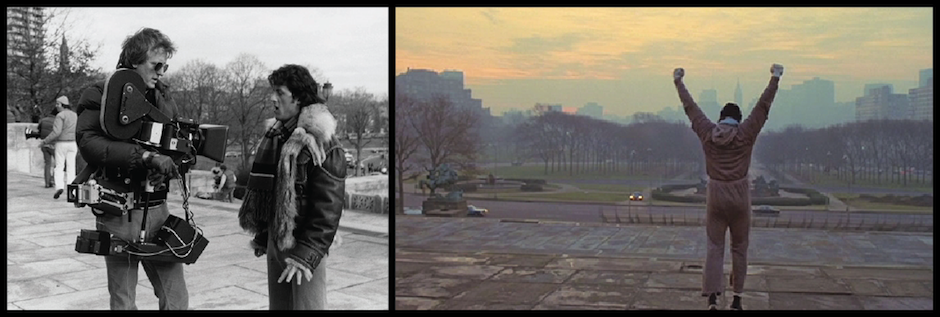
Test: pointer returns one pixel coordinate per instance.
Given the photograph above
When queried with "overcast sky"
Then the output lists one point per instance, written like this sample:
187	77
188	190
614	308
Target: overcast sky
349	45
623	58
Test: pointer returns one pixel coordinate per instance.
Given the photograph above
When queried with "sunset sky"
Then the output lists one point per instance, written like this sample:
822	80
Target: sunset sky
622	58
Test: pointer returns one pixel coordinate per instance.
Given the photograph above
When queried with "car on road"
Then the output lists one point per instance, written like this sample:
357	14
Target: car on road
636	196
412	211
474	211
764	210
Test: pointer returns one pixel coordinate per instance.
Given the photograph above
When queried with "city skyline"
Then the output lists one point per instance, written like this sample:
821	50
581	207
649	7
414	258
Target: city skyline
622	58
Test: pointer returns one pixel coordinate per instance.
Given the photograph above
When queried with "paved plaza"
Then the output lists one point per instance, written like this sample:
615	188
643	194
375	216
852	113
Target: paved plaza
472	263
45	273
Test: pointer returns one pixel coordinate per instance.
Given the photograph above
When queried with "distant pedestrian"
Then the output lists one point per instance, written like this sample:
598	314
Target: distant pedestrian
226	184
48	149
728	146
63	138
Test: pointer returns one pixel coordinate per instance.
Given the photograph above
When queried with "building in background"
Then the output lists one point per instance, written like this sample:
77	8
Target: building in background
921	98
881	103
708	102
592	109
541	108
422	84
24	31
925	76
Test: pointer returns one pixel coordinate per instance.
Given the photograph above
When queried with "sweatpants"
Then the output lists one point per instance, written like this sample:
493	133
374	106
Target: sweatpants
728	207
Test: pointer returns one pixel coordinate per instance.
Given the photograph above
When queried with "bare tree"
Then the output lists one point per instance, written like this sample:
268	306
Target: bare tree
199	92
406	141
358	107
54	64
446	131
248	108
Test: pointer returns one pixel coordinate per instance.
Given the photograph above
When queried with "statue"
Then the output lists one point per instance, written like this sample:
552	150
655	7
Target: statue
439	177
442	177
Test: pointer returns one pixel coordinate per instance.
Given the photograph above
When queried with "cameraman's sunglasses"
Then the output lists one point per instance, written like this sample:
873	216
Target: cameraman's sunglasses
161	67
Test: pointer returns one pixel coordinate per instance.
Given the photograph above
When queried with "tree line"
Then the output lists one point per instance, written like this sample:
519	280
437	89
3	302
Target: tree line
235	94
875	151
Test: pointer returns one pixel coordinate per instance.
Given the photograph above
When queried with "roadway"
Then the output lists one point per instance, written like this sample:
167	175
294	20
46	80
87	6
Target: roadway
591	212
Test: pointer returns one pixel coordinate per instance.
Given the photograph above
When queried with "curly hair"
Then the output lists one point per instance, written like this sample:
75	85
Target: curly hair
299	82
135	48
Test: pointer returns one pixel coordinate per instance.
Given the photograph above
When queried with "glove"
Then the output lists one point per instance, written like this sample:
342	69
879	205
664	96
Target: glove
678	73
776	70
162	164
259	249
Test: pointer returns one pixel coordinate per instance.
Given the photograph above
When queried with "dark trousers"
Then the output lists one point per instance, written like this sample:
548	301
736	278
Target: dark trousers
166	277
309	295
48	156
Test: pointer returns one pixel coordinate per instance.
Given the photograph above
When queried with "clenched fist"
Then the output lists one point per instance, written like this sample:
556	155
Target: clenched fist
776	70
678	73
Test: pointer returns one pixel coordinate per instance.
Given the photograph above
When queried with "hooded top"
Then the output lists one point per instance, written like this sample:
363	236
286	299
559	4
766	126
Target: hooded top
728	147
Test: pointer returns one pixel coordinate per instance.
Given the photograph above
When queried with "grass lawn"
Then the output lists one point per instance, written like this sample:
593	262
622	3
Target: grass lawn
570	196
609	188
538	171
854	201
823	179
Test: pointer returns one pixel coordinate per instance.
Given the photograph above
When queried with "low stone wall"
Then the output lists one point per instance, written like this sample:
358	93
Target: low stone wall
368	193
23	155
362	193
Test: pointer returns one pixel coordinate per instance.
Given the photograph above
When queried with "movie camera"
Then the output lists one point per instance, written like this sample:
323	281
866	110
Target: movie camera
127	115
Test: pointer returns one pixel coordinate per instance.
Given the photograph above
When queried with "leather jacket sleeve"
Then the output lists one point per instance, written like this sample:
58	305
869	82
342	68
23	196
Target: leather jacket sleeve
95	145
321	192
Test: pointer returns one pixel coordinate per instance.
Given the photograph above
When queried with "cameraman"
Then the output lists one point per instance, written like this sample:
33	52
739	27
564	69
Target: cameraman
124	165
296	191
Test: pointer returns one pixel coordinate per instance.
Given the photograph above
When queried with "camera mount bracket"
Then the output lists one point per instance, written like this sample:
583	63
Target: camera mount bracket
123	104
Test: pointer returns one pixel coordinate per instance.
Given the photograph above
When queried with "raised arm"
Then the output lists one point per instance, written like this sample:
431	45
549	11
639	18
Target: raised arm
700	122
752	125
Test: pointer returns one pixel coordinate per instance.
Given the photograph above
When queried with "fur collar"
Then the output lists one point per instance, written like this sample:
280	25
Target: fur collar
315	129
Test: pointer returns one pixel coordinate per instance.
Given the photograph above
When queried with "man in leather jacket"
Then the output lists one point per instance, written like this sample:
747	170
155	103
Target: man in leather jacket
124	165
296	192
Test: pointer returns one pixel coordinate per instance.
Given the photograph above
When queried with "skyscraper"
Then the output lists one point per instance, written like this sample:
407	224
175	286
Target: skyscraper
738	97
708	101
925	76
922	101
880	103
24	31
424	84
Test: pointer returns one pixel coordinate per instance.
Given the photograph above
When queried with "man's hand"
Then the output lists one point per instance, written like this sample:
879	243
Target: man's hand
776	70
161	164
295	269
678	73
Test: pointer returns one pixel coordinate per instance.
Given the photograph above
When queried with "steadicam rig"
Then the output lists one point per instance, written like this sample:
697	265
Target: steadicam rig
126	115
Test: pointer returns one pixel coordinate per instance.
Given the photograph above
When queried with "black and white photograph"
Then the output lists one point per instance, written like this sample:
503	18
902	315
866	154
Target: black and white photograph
198	158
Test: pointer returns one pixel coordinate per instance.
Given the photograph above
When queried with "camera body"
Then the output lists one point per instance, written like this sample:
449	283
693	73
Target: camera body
183	137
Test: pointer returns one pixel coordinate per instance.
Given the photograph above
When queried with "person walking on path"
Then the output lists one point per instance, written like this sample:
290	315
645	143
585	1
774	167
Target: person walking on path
728	146
48	150
63	138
